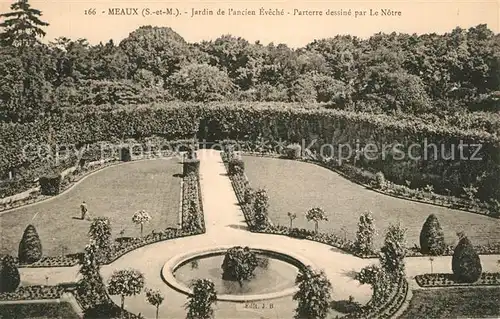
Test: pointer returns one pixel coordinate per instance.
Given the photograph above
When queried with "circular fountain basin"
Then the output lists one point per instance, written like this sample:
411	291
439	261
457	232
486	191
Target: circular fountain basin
275	280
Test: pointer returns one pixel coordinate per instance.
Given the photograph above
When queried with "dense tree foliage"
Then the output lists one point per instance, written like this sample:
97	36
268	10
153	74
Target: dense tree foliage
201	301
314	295
386	73
239	264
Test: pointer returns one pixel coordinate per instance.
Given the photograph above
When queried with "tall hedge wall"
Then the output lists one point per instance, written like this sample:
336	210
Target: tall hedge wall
272	121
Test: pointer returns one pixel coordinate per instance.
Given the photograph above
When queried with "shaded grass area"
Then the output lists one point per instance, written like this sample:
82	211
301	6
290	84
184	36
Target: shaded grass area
297	186
61	310
115	192
454	303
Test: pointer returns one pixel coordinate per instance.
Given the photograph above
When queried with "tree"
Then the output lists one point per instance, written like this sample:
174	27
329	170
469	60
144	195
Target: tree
9	275
466	264
140	218
314	294
365	234
30	247
100	233
127	282
22	26
200	302
291	217
91	285
432	237
260	207
239	264
200	83
380	281
393	252
155	298
169	52
316	214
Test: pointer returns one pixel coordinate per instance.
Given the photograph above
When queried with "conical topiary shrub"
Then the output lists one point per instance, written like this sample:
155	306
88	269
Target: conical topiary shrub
9	275
30	247
432	237
465	263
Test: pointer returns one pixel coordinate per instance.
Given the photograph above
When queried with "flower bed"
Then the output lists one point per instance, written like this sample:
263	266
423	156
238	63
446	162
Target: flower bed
34	293
448	280
386	308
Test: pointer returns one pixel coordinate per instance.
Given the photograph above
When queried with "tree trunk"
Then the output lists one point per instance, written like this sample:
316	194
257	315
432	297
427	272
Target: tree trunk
123	305
291	224
316	227
142	227
157	309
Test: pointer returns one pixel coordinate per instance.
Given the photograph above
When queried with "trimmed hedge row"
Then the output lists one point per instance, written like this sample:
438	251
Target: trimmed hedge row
34	293
275	122
386	309
448	280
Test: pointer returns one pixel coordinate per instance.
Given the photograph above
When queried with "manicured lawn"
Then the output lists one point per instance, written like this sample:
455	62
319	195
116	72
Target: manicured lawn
296	187
116	192
38	311
454	303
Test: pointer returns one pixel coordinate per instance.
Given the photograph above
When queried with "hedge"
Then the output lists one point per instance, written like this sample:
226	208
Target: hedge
274	121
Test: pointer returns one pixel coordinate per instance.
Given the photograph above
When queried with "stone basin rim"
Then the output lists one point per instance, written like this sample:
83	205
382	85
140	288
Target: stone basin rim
175	262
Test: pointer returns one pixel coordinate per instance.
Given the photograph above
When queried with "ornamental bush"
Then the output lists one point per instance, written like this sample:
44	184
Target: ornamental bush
249	195
125	155
365	234
191	167
380	181
432	237
466	264
239	264
293	151
50	185
9	275
30	247
236	166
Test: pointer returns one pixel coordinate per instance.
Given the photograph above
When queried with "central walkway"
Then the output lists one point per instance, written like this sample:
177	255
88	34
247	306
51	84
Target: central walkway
225	225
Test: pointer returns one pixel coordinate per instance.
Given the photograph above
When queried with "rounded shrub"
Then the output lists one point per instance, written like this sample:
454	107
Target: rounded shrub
293	151
432	237
380	181
30	247
236	166
50	184
465	263
191	167
9	275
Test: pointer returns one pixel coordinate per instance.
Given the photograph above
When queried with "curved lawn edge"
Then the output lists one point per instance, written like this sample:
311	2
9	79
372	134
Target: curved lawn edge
364	185
71	186
188	183
331	239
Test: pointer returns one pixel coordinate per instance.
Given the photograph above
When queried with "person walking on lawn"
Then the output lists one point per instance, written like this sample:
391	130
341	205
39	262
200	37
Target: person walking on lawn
84	210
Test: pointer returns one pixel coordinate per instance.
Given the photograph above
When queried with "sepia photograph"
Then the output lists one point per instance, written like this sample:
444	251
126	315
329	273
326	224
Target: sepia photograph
244	159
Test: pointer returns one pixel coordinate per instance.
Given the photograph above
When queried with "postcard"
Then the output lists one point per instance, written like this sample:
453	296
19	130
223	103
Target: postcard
249	159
